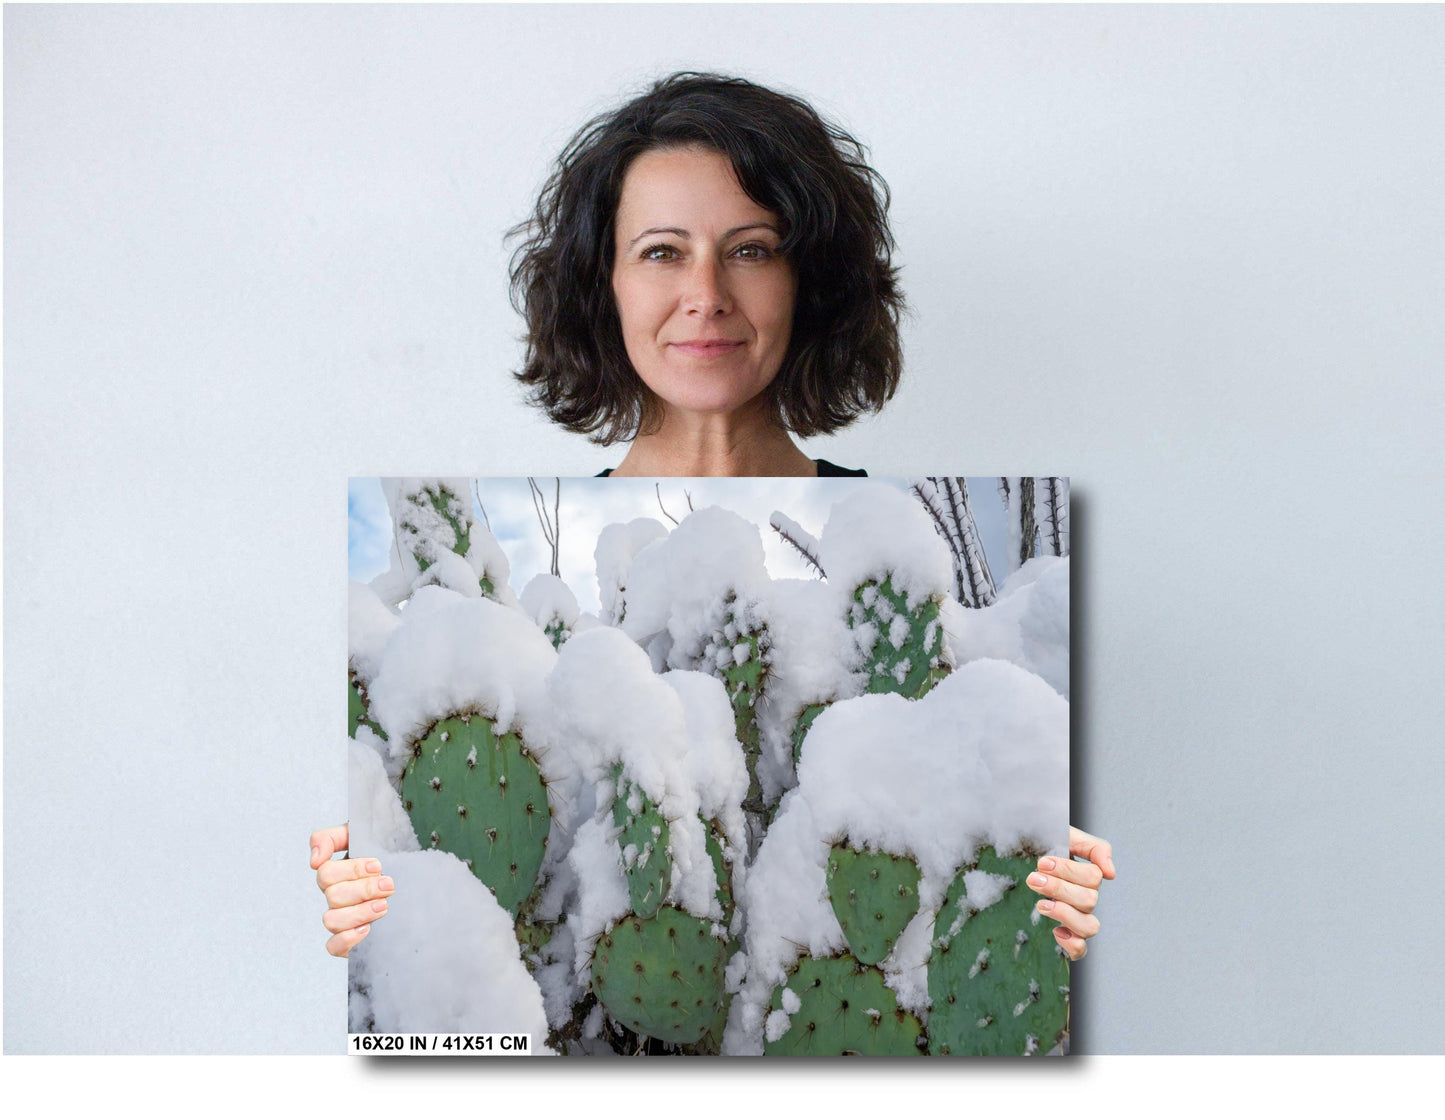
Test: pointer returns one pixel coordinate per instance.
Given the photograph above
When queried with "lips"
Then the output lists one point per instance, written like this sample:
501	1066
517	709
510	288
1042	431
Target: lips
707	347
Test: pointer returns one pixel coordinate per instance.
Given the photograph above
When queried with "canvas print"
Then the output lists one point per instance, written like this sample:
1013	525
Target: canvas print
715	766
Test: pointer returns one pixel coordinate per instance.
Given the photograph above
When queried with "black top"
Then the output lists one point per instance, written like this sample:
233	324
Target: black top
825	470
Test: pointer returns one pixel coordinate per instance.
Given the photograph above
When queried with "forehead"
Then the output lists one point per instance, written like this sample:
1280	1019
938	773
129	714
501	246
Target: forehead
686	188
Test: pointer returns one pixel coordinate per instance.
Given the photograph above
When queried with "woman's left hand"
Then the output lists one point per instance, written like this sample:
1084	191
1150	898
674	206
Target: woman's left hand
1071	889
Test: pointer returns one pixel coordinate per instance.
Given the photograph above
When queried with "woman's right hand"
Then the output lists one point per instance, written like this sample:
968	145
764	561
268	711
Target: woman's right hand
356	890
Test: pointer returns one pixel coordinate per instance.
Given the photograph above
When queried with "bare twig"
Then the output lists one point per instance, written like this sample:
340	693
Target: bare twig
657	487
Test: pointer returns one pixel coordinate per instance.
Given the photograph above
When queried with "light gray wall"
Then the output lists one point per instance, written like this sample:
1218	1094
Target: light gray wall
1192	257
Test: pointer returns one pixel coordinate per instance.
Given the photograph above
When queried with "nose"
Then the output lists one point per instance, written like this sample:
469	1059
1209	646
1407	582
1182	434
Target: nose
706	294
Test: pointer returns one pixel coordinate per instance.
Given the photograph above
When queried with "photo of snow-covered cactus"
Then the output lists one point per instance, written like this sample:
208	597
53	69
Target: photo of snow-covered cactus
748	766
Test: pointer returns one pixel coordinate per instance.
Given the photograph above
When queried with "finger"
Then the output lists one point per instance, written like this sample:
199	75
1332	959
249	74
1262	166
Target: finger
1073	870
349	917
1082	899
1070	942
342	943
336	870
1084	925
1093	849
326	842
351	892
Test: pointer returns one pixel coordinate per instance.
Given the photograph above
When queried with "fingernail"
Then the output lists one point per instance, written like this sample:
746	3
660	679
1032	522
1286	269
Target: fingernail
1063	932
362	931
1038	880
315	852
379	906
385	883
1046	864
373	866
1046	904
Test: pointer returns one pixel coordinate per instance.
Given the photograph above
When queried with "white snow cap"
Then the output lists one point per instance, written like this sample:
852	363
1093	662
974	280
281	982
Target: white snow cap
982	759
879	530
445	957
547	599
675	584
457	656
378	821
451	572
617	545
369	626
1028	624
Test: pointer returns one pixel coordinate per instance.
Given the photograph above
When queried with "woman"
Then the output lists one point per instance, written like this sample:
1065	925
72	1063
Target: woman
706	275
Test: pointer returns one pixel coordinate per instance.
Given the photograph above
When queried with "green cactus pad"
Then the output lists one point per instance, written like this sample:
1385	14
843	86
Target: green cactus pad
441	499
480	797
914	667
745	682
800	729
662	976
844	1008
358	713
643	840
998	981
874	895
724	880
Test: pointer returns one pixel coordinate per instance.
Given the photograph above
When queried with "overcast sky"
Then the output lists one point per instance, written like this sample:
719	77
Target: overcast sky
590	504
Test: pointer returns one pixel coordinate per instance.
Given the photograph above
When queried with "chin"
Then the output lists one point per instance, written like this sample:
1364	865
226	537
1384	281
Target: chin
706	400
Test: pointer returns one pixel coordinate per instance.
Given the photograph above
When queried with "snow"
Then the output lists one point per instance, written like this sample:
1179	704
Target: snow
880	531
1028	624
444	958
1003	779
617	545
453	573
676	584
458	655
369	626
422	531
546	599
378	823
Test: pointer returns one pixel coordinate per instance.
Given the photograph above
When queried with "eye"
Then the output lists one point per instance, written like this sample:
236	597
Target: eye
659	253
753	251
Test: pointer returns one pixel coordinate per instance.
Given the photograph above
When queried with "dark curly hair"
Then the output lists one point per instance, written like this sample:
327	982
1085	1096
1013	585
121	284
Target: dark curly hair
844	356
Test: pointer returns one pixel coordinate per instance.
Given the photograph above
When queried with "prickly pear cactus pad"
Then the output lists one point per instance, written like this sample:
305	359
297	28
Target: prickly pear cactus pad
872	772
998	980
662	976
643	837
874	895
901	649
839	1006
479	795
432	517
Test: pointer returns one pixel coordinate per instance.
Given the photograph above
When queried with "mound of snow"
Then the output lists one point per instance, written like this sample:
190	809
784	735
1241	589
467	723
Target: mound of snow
444	958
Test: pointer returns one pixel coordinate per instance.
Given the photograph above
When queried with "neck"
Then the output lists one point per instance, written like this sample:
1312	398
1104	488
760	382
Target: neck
741	443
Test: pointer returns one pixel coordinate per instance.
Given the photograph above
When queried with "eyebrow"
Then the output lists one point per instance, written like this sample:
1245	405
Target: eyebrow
682	233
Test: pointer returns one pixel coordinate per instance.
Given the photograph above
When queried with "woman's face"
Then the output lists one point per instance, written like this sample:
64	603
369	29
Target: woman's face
705	299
